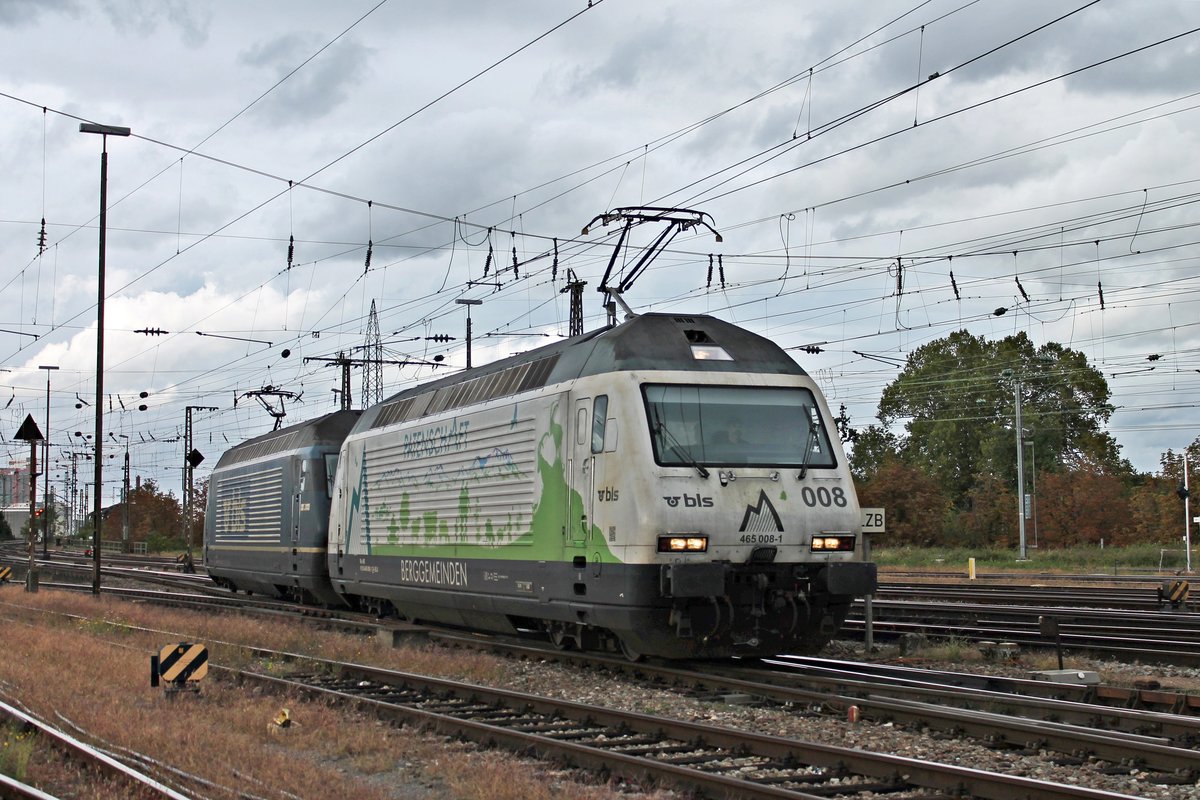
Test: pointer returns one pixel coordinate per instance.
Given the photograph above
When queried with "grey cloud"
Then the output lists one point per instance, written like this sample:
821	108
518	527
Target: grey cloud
317	89
15	13
143	17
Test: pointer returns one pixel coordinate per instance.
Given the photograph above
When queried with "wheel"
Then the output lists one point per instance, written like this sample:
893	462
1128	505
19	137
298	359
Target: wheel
560	638
629	653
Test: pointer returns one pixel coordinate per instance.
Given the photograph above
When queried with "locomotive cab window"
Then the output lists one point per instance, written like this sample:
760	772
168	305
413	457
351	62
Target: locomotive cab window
331	461
736	426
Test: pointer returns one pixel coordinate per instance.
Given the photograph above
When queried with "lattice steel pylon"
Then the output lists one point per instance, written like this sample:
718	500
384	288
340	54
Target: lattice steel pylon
575	288
372	391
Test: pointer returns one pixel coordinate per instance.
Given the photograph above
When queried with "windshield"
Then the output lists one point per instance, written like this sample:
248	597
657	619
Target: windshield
736	426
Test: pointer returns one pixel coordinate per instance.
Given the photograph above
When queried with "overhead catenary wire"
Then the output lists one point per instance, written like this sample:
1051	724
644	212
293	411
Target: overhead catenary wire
532	272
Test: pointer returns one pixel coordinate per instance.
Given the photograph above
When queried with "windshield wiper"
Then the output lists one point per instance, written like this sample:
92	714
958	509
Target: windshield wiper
678	449
808	443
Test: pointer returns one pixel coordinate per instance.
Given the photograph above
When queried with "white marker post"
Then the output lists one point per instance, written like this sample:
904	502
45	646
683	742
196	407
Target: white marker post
874	520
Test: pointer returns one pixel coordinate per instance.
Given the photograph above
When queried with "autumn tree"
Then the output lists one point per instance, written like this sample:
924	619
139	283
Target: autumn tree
199	506
916	505
1085	508
989	515
1155	511
154	515
1156	507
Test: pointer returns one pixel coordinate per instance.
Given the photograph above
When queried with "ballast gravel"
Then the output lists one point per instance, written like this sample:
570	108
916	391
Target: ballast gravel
603	688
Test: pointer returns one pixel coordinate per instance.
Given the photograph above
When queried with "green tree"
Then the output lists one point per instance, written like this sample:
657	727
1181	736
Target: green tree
956	396
5	529
873	447
1172	462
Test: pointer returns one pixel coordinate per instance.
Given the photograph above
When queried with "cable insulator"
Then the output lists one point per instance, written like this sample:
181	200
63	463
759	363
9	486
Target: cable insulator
954	286
515	273
710	265
721	269
1100	288
554	266
1021	289
367	263
291	250
487	265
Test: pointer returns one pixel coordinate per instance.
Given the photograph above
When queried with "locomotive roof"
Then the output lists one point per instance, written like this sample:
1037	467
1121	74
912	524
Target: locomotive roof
643	342
330	429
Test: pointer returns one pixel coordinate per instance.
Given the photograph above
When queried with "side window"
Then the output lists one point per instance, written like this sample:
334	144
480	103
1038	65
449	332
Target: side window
580	425
599	418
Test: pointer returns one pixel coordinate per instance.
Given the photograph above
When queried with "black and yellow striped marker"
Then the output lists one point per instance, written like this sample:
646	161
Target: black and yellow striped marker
1174	592
179	664
5	574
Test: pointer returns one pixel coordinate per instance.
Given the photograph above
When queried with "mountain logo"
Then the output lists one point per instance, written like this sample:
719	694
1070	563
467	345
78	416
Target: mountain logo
761	518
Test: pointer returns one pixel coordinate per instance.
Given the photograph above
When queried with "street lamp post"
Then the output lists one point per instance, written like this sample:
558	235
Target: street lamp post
46	468
105	131
468	303
1024	553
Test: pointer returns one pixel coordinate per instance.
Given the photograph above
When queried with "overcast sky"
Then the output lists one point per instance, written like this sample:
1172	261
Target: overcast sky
1048	162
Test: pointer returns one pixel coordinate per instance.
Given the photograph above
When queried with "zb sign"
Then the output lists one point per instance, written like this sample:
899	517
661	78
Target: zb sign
873	520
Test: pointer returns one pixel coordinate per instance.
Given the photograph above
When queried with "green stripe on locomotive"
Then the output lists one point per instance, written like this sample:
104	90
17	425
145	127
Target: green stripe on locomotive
536	536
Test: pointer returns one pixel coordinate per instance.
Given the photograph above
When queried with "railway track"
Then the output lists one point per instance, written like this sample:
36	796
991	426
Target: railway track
1037	714
1062	719
713	760
1081	721
1141	595
1164	637
123	778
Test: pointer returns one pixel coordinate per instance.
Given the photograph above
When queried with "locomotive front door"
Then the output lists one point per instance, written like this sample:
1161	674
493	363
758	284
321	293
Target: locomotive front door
591	488
294	542
581	497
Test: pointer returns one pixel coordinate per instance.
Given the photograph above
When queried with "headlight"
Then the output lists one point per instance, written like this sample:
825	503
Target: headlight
683	543
830	544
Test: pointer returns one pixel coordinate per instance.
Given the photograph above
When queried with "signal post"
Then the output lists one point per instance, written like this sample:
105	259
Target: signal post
29	432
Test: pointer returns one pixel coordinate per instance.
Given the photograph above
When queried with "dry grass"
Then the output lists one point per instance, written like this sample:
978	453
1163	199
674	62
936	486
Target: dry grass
94	674
16	746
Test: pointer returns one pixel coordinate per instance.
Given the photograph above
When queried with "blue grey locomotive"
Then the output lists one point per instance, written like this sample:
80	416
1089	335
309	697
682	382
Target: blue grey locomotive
267	523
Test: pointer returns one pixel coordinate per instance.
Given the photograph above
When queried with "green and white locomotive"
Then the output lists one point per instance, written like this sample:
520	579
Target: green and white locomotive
666	486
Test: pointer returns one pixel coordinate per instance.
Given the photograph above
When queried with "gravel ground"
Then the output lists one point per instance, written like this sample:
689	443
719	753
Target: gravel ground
549	679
